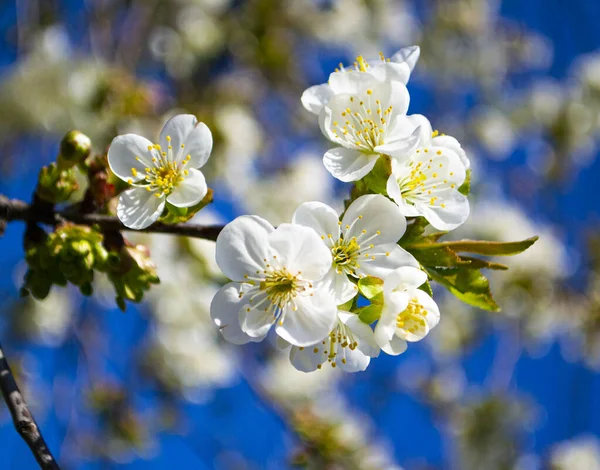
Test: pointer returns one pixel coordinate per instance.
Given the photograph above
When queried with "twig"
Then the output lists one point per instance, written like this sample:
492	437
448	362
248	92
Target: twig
14	209
22	418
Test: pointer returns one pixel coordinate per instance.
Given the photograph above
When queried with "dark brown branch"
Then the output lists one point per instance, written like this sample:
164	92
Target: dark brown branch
22	418
14	209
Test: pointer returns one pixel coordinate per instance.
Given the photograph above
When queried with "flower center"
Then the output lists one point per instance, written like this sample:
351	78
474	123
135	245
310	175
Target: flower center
363	123
345	255
281	287
336	346
412	319
420	180
165	172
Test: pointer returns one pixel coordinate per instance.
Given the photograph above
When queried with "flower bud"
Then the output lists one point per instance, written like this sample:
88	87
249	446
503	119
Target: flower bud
75	147
56	185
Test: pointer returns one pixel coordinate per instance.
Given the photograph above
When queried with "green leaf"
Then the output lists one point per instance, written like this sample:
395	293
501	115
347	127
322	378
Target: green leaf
427	288
476	263
434	255
465	188
481	247
347	307
370	313
370	287
469	285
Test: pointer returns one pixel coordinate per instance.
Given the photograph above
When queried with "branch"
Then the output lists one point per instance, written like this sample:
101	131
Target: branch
14	209
22	418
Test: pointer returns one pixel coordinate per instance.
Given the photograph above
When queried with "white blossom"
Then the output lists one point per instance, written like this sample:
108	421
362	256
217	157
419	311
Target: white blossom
160	173
362	244
425	181
366	122
275	274
408	313
342	81
351	345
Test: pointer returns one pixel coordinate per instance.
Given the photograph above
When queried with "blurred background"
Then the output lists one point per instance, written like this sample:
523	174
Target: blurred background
518	83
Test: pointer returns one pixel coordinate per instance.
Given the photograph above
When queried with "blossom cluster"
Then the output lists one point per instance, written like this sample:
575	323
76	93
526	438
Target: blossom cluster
324	279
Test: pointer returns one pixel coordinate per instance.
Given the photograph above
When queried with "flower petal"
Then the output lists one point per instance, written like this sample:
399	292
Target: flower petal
139	208
402	279
394	303
190	191
300	249
395	346
122	155
198	145
450	142
362	332
314	98
384	259
433	311
311	322
339	286
348	164
242	247
408	55
399	146
371	214
224	310
455	212
256	321
350	82
305	359
393	190
320	217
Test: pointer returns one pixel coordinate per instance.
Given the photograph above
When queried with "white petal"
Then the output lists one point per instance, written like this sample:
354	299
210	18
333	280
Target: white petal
224	310
433	311
394	94
190	191
314	98
122	155
402	279
177	129
388	257
339	286
352	360
305	359
139	208
399	145
395	346
320	217
408	55
311	322
348	164
198	145
350	82
425	131
300	249
455	212
256	322
390	71
361	331
374	213
453	144
242	247
393	190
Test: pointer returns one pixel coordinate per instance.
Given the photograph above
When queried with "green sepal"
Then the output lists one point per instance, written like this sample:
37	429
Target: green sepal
465	188
414	232
468	285
176	215
370	313
426	287
370	287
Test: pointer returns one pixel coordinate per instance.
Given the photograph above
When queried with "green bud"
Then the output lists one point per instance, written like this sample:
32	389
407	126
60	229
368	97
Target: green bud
56	185
75	147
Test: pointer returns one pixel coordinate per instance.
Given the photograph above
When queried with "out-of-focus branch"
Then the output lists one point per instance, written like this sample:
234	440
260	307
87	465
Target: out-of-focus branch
22	418
14	209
